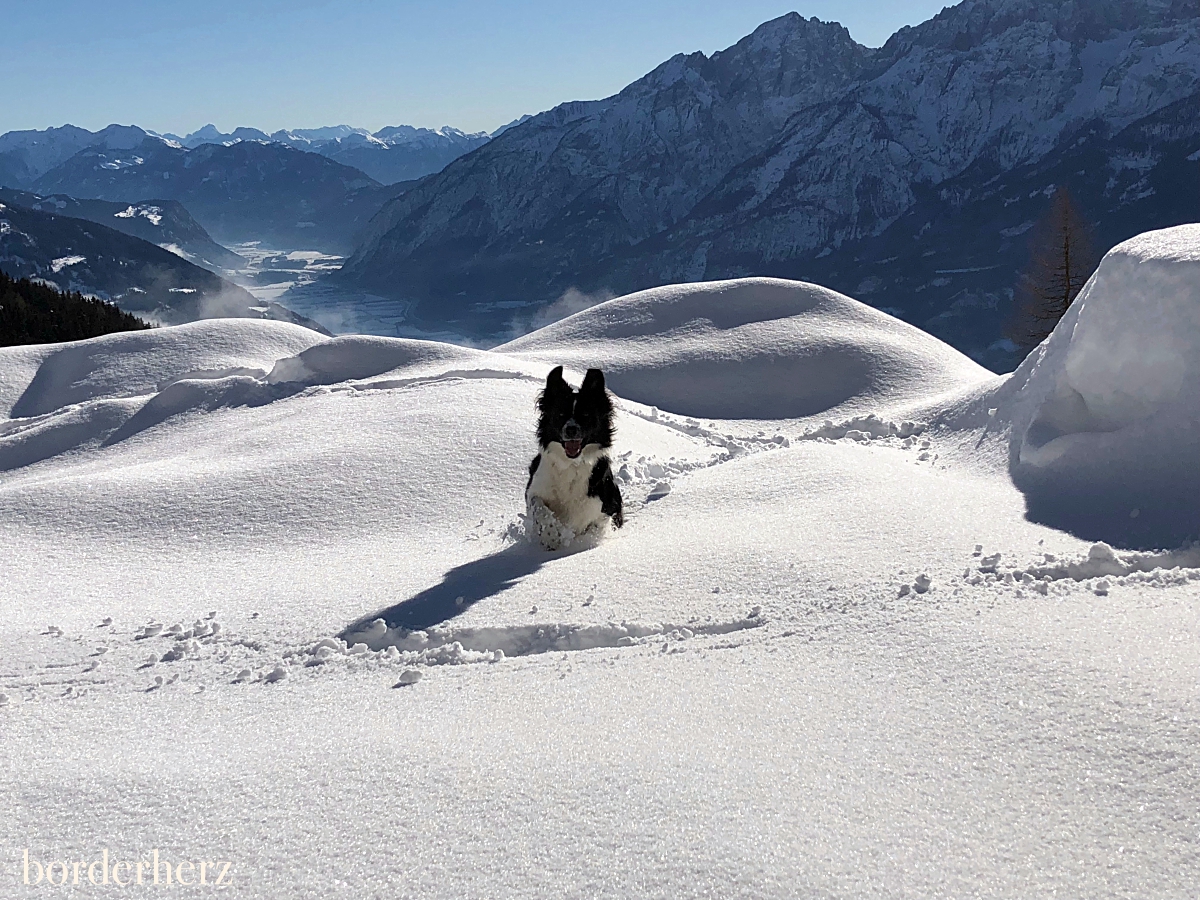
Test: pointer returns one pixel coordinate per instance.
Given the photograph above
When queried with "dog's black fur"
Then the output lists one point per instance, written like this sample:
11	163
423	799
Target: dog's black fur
581	423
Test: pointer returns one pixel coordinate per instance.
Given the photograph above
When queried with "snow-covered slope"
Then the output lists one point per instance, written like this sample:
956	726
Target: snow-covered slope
817	661
153	282
140	277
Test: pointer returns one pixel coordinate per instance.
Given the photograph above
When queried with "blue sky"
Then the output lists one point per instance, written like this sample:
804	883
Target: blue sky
172	66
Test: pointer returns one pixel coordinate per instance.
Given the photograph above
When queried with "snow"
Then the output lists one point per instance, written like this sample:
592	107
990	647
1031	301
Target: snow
153	214
62	262
757	348
44	378
1109	399
268	600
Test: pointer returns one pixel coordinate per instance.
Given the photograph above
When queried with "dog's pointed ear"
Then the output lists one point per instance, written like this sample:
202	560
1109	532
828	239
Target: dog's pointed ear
556	388
593	381
555	381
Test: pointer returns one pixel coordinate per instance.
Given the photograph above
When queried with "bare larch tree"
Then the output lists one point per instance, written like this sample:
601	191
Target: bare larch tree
1062	259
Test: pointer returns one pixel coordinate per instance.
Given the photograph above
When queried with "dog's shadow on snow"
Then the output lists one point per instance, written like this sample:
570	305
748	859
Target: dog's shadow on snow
461	588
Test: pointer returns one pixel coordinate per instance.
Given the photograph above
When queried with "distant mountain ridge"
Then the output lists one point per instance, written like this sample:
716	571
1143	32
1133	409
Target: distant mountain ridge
164	223
26	155
794	152
390	155
79	255
311	188
242	192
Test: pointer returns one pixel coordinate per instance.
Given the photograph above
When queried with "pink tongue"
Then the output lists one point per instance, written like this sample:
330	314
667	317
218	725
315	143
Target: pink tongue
573	448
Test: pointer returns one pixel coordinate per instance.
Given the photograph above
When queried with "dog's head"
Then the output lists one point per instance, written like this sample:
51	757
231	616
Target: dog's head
575	419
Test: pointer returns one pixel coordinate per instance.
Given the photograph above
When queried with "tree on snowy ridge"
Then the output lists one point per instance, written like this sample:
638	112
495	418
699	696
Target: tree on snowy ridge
1062	259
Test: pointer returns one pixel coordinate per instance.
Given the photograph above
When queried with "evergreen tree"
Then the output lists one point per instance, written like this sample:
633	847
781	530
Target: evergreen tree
32	313
1062	259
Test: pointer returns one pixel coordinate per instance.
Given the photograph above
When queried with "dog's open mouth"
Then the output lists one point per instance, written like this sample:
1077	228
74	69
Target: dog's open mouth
572	448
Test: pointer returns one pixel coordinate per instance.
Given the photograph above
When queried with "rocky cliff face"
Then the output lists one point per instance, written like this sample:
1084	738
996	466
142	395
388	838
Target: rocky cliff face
792	150
604	174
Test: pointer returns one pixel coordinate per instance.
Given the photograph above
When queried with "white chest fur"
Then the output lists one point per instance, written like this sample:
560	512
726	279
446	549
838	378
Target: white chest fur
561	483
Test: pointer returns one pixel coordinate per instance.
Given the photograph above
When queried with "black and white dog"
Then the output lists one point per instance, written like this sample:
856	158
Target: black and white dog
571	491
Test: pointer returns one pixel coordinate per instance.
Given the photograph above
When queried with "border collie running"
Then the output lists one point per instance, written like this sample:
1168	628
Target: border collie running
571	491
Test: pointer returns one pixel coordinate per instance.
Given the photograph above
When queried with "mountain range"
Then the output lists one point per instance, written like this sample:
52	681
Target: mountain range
72	253
391	155
301	188
907	175
241	192
910	176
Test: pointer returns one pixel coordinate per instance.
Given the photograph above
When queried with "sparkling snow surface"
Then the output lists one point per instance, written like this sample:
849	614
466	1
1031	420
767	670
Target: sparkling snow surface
267	601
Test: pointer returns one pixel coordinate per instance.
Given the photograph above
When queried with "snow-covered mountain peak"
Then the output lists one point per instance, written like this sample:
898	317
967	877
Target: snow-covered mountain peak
120	137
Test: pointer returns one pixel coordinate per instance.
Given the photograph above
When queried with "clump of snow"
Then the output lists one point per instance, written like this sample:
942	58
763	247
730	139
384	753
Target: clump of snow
863	428
753	348
62	262
153	214
1102	560
660	490
1106	415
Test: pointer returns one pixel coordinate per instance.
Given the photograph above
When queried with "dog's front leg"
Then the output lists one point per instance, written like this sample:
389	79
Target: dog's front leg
543	524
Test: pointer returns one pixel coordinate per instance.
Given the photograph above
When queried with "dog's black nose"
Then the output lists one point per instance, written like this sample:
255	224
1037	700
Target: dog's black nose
571	431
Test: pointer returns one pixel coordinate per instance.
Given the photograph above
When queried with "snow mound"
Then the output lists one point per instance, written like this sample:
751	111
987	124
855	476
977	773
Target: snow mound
753	348
43	379
358	357
1105	414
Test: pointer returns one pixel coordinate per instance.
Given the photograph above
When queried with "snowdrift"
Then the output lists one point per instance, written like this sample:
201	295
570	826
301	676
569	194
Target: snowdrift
1106	413
754	348
62	397
36	380
363	357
